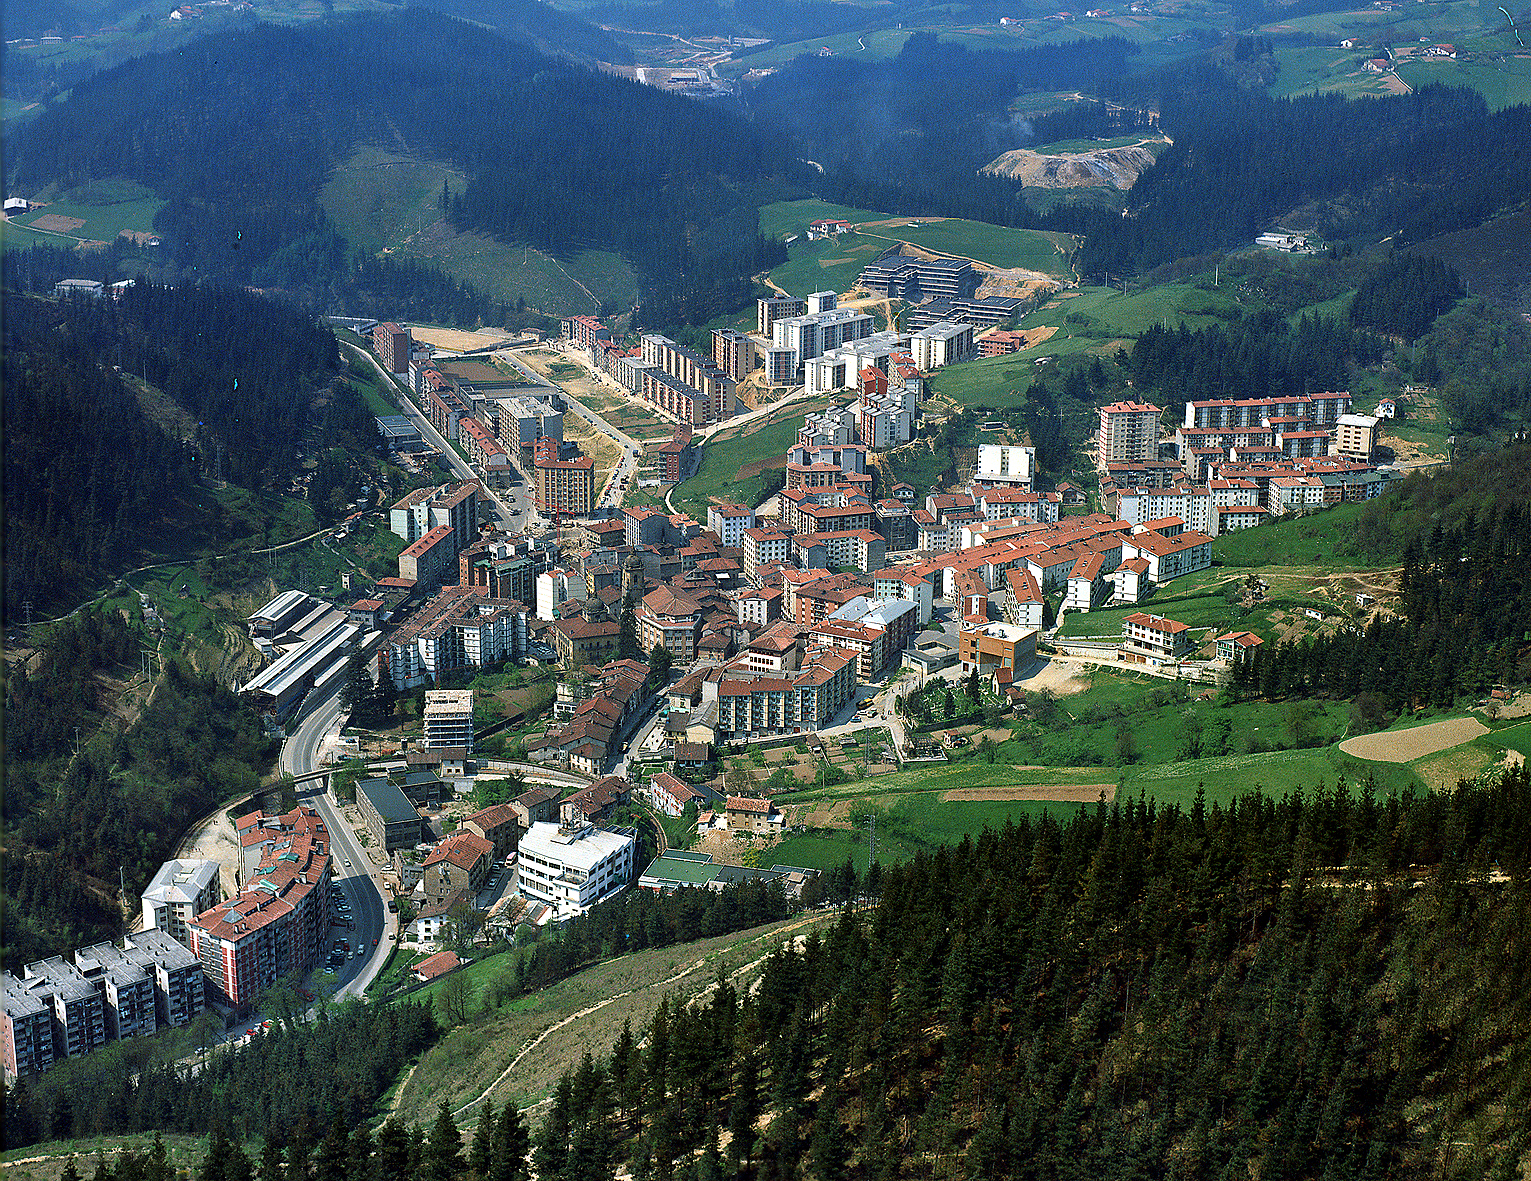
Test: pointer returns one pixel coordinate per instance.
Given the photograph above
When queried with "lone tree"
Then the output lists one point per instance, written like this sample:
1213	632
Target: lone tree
660	662
627	637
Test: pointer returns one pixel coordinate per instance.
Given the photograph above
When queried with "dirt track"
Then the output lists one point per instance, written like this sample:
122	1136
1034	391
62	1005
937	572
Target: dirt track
1403	746
1068	793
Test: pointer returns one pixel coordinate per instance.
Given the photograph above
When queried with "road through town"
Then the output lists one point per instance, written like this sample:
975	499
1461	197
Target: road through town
355	877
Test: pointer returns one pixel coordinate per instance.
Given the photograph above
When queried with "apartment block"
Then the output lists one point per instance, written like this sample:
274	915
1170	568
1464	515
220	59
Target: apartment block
734	353
392	345
1129	432
564	486
180	891
430	508
774	308
449	720
571	869
276	925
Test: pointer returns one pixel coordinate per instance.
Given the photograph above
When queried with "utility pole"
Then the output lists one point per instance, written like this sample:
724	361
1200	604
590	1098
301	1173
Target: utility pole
27	607
871	839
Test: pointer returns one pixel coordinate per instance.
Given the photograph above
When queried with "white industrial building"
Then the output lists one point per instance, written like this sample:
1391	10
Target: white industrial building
571	868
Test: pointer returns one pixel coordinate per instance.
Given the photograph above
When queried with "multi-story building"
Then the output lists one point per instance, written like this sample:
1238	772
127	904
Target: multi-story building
77	1010
734	353
26	1026
1355	436
571	869
729	521
458	865
901	276
125	987
276	926
1000	463
584	331
1154	638
502	569
693	371
1169	557
497	824
1129	432
989	647
180	891
425	509
672	621
942	344
564	486
484	450
520	421
581	641
765	546
857	549
459	628
175	972
780	363
431	561
391	820
392	345
774	308
449	720
791	701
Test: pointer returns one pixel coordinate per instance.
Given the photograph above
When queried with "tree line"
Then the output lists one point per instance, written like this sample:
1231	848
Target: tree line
288	1085
1464	596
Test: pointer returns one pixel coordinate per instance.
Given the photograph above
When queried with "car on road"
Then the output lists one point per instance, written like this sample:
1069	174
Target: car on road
348	863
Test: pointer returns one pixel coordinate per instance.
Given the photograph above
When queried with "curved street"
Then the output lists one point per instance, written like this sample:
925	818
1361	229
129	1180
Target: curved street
356	879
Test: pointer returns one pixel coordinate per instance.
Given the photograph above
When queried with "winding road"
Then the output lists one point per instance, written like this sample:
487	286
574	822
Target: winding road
354	875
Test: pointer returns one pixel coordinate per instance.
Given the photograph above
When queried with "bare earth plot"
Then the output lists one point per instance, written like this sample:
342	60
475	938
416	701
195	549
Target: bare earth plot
458	341
1404	746
57	223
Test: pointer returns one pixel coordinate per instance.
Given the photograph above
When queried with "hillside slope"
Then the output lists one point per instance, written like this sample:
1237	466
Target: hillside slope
239	132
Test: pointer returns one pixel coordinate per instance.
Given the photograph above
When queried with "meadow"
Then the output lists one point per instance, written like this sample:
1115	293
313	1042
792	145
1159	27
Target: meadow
1000	246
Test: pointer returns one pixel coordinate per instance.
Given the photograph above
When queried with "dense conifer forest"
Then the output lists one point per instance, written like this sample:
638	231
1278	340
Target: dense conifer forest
1328	985
90	802
242	373
1465	596
242	132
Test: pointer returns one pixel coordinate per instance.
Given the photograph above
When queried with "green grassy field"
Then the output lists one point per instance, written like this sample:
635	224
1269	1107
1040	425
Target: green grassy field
722	458
1311	68
1063	147
1502	84
106	207
783	218
1000	246
1276	773
1517	738
1322	539
831	264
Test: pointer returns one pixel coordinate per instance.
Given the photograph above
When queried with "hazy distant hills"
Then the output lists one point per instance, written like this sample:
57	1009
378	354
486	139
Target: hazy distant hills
238	132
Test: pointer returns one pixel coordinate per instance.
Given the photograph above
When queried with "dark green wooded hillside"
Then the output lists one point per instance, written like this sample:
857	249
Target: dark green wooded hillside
239	131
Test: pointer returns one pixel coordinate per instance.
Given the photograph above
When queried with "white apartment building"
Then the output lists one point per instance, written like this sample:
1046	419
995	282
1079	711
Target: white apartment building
729	521
552	590
180	891
763	546
1002	463
941	344
449	719
573	868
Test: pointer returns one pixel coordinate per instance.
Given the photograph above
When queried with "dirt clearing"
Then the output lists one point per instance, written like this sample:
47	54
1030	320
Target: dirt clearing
57	223
457	341
1063	793
1060	676
1404	746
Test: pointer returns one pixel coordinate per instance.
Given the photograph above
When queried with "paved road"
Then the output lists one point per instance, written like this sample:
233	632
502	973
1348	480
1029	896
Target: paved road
513	520
352	869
